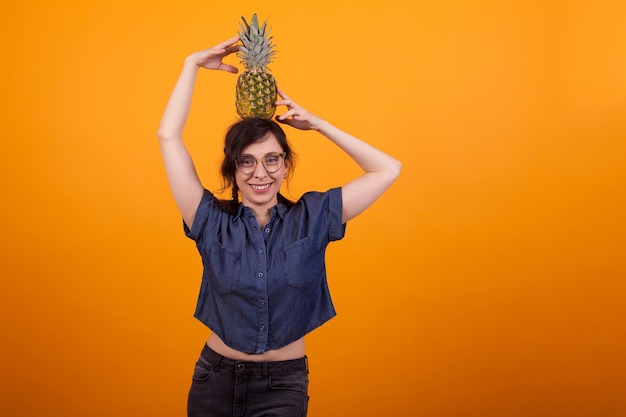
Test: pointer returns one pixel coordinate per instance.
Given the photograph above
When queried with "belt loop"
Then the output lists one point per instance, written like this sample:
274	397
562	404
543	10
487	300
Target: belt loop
266	370
306	363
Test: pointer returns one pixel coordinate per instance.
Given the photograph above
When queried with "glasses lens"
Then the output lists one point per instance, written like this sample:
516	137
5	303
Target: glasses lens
245	164
273	162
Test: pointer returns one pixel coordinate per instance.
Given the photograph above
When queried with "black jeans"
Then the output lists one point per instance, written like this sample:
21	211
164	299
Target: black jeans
223	387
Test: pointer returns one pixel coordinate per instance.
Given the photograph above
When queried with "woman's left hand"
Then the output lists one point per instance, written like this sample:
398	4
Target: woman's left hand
296	116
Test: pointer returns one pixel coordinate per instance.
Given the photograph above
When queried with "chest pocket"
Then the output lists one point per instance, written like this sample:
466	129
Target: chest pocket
224	269
303	263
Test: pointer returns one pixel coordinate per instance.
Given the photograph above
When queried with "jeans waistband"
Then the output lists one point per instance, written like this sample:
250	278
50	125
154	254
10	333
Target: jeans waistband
266	368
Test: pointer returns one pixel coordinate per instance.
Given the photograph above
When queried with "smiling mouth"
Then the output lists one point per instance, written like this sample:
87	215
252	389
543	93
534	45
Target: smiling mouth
260	187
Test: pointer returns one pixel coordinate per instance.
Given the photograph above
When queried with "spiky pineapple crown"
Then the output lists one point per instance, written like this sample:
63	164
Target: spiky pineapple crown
257	49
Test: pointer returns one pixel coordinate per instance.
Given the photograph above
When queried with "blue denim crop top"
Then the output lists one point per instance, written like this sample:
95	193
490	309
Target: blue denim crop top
265	288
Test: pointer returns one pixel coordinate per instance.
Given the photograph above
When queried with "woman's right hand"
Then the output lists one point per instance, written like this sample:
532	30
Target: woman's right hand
212	58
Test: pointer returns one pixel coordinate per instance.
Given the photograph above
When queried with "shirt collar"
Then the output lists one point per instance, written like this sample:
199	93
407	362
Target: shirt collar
279	209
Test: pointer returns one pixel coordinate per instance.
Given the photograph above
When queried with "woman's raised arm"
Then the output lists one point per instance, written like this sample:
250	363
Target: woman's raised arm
181	172
380	169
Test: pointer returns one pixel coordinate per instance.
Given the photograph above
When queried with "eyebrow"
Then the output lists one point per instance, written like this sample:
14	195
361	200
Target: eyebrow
252	156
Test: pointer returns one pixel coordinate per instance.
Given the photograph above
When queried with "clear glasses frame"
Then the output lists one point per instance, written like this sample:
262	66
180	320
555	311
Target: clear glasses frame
272	162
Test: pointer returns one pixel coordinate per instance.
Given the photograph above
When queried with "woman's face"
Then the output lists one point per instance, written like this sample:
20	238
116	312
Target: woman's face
260	187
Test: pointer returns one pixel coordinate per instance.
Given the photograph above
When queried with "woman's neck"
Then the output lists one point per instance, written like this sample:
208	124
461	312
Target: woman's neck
261	214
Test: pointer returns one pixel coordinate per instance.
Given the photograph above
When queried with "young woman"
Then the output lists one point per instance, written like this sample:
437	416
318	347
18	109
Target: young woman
264	281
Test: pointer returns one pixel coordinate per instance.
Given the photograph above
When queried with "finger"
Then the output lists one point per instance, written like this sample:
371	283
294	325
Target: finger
231	49
291	113
229	68
281	93
282	119
289	103
283	103
283	116
229	42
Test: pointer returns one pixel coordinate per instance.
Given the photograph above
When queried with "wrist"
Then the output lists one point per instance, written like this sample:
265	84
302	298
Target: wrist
191	61
321	126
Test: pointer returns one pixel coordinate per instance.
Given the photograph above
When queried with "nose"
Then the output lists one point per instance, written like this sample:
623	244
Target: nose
259	171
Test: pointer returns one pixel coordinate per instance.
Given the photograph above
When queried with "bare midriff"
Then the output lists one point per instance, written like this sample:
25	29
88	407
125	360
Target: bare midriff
293	350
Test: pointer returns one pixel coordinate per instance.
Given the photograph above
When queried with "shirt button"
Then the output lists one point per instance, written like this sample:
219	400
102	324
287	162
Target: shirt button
260	274
260	251
262	327
262	302
267	230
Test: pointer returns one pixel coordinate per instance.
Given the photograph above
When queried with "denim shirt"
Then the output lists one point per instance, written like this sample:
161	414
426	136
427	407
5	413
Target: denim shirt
265	288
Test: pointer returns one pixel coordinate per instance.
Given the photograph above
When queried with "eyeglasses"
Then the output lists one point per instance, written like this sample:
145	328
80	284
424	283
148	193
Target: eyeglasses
272	162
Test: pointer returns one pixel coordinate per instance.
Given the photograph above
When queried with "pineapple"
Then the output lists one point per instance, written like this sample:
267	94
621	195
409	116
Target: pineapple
256	87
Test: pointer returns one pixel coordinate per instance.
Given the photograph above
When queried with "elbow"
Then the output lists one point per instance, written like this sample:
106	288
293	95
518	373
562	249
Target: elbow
161	135
391	172
164	136
394	169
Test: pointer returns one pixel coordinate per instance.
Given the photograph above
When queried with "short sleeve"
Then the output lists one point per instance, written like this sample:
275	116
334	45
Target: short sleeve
321	212
203	213
337	229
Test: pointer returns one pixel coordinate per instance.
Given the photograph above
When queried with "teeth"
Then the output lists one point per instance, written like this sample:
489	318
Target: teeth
260	187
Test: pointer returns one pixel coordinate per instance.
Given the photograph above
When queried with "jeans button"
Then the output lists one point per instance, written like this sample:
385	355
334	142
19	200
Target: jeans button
241	366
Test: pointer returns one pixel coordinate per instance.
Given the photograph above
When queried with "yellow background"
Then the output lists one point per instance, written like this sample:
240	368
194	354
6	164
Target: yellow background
488	281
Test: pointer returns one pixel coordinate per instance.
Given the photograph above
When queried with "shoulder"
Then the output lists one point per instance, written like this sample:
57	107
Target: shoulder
211	211
318	198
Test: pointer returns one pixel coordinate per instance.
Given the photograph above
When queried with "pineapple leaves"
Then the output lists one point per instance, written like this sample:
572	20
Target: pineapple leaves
257	50
247	29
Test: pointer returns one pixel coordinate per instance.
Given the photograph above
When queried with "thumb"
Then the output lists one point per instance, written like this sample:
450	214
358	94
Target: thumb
229	68
285	121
